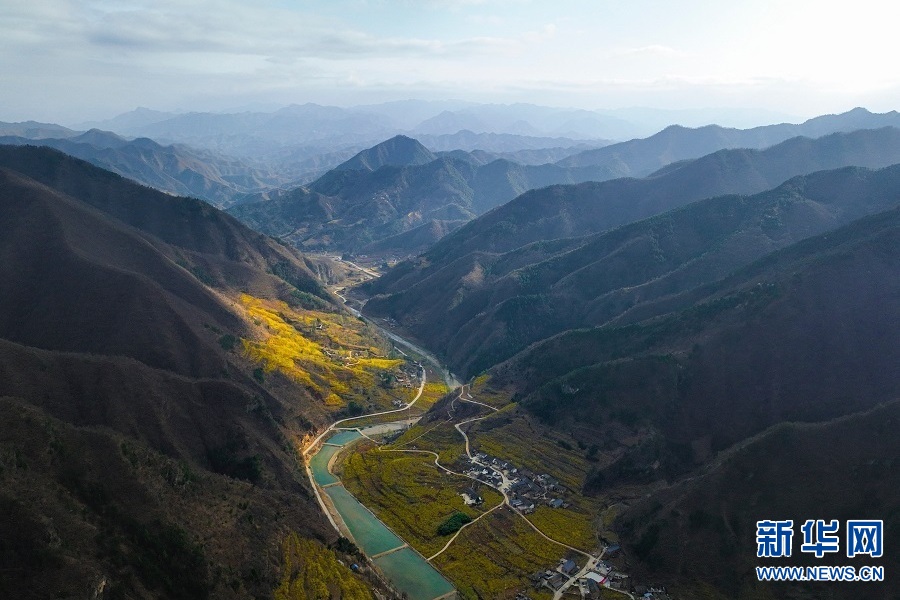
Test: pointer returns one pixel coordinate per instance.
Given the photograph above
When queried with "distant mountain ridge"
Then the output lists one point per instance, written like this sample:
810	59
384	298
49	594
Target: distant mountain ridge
33	130
251	133
500	142
406	117
583	209
392	188
180	170
641	157
530	120
367	208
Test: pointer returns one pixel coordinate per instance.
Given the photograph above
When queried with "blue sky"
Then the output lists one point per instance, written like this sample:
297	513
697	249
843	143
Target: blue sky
68	60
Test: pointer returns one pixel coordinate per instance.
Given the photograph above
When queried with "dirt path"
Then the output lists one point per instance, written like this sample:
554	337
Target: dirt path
502	488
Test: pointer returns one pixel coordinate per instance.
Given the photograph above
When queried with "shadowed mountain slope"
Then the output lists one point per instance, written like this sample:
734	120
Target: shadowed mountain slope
137	442
66	275
698	537
482	306
578	210
209	243
805	334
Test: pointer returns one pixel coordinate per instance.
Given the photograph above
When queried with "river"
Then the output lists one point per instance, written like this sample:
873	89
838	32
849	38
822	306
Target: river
405	568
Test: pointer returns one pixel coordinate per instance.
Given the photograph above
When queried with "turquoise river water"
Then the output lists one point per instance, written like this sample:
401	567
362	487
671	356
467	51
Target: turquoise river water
403	566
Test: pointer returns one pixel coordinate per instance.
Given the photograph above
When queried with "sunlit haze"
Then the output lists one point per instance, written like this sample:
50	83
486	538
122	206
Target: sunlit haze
68	61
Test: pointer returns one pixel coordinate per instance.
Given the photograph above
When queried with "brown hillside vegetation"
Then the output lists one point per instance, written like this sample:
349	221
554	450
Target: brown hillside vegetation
69	271
142	455
207	242
806	334
703	530
483	307
664	413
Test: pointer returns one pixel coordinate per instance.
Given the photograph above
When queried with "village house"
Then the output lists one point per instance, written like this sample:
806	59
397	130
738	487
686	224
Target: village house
555	581
593	589
568	567
471	497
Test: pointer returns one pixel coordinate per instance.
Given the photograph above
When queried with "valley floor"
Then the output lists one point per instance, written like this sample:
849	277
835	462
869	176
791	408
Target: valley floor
430	475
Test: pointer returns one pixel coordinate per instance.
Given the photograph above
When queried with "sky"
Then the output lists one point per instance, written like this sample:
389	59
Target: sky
66	61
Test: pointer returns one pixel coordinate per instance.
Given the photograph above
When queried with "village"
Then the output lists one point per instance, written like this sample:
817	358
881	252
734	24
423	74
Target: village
602	574
408	377
525	489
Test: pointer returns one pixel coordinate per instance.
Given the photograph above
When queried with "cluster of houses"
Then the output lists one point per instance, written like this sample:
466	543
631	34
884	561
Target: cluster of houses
601	575
526	490
408	377
589	585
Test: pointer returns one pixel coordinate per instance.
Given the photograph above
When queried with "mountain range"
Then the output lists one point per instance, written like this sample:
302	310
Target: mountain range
399	209
245	133
391	197
175	169
253	133
508	145
691	417
140	456
401	212
533	267
641	157
702	324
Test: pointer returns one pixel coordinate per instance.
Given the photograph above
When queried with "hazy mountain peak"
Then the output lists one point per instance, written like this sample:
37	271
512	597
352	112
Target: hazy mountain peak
129	121
399	151
100	138
34	130
452	121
